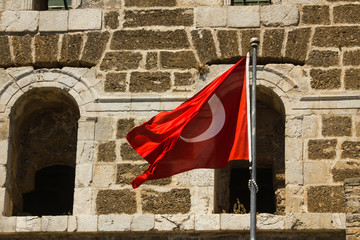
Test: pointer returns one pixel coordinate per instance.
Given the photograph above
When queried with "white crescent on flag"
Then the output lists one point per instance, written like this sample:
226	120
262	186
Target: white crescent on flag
217	123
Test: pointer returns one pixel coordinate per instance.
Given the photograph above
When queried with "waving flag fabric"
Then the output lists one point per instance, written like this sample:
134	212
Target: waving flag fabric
206	131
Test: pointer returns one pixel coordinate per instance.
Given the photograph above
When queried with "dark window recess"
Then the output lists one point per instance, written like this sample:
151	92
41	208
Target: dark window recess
250	2
239	190
53	194
42	5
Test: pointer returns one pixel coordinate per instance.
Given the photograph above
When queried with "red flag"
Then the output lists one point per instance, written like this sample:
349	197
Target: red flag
206	131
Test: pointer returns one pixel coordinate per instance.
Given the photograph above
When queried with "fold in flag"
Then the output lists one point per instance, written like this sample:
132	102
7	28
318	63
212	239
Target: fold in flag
206	131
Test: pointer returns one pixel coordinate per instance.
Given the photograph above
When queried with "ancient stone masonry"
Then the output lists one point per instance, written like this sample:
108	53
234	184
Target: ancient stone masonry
74	83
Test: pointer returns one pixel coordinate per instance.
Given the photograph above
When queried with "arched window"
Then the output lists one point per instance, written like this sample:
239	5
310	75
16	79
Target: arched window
44	124
231	183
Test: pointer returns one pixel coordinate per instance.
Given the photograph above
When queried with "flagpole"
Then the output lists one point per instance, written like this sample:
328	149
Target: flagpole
252	182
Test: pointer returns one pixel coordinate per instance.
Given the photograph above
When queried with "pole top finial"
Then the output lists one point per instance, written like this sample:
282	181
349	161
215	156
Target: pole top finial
254	42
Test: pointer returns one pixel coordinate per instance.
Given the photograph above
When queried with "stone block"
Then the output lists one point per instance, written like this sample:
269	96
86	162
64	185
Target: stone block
112	19
104	129
338	220
302	221
246	35
204	44
174	222
104	175
341	36
115	223
85	19
94	48
294	199
4	152
171	202
345	169
336	126
19	21
210	16
207	222
318	58
83	201
54	223
326	199
124	126
325	79
243	16
21	46
316	173
85	152
70	49
86	4
8	224
46	50
350	149
316	14
279	15
106	152
179	60
151	61
116	202
149	39
28	224
310	126
351	58
83	175
3	175
294	173
150	3
234	221
87	223
144	222
159	17
183	79
86	130
115	82
5	57
228	43
128	153
118	61
272	44
348	13
72	224
351	79
270	222
150	81
53	21
322	149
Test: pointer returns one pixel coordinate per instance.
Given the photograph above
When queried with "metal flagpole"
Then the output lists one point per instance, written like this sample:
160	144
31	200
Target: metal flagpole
252	182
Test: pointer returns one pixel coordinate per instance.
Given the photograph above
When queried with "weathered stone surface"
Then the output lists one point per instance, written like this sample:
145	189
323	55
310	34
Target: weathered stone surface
296	45
346	169
348	13
87	223
85	19
28	224
351	79
5	57
336	126
204	44
124	126
21	46
352	58
159	17
326	199
104	175
115	82
107	152
243	16
84	175
150	3
112	19
143	222
53	21
207	222
114	223
104	128
350	149
183	59
172	202
228	43
46	50
149	82
272	44
183	79
128	153
121	61
149	39
86	4
83	201
71	49
246	35
174	222
319	58
316	14
116	201
54	223
286	15
325	79
210	16
342	36
94	48
8	224
151	60
315	172
322	149
19	21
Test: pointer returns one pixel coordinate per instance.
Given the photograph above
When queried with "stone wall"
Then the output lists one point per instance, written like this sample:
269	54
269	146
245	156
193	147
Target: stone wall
352	193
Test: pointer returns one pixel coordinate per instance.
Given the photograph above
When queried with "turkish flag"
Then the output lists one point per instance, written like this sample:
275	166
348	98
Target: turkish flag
206	131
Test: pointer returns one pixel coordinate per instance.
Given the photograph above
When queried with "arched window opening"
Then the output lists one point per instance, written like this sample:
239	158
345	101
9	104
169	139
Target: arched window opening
44	124
231	183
